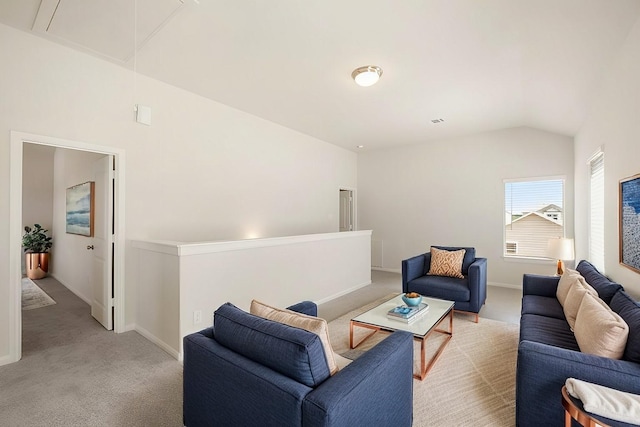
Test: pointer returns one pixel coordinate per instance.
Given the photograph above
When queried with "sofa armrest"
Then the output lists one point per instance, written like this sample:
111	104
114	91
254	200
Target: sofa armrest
375	389
413	268
305	307
544	286
543	369
478	282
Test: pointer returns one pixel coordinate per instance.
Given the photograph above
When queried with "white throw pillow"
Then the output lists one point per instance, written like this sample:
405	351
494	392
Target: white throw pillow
312	324
599	330
574	298
568	278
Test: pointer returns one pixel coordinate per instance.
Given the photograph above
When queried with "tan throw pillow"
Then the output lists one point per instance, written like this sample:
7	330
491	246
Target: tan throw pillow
599	330
568	278
446	263
312	324
574	298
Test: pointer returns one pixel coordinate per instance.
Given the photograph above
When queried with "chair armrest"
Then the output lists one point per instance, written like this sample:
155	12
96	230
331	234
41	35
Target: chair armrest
211	394
375	389
543	369
413	268
305	307
544	286
478	282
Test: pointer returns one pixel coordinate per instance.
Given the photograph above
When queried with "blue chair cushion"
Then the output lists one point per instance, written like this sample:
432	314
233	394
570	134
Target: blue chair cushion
469	256
547	330
606	288
629	310
543	306
442	287
293	352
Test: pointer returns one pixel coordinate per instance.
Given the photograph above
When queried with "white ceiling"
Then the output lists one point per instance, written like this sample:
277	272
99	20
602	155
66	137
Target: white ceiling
478	64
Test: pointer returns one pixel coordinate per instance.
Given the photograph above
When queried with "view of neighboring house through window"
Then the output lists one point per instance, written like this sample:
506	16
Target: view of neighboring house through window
596	210
533	215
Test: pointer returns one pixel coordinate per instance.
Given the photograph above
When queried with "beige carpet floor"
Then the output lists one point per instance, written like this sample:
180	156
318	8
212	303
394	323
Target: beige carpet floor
473	381
73	372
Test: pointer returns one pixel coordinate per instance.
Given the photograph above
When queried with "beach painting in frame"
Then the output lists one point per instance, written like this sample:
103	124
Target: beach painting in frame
630	222
80	208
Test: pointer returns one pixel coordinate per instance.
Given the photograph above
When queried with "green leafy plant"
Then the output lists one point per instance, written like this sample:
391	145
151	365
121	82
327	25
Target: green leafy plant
35	240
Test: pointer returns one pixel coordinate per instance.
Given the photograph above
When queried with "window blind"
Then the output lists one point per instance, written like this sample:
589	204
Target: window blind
596	211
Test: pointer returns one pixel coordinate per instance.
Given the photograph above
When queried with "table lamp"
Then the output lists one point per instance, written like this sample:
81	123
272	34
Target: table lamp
561	249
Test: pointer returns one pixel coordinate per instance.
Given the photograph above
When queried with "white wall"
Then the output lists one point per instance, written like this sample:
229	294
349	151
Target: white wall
202	171
178	279
613	122
71	261
37	188
451	193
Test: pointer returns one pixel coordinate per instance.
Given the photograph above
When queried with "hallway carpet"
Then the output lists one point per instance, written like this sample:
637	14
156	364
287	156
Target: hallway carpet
74	372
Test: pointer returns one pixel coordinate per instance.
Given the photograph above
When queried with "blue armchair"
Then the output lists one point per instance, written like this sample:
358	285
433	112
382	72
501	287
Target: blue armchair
469	293
250	371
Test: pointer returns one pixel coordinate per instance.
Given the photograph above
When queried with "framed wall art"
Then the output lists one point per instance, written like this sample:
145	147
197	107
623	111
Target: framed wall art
80	209
630	222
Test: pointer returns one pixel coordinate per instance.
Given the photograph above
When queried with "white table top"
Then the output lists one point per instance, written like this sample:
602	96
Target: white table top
377	316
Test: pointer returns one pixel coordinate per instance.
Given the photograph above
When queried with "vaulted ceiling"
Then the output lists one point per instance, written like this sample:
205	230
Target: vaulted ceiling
478	65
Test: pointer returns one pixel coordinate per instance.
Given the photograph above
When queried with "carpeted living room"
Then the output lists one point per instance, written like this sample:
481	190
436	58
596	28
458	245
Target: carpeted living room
335	213
67	354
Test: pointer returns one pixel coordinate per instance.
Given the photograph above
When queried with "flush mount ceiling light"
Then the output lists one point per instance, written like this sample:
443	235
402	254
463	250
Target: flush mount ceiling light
367	75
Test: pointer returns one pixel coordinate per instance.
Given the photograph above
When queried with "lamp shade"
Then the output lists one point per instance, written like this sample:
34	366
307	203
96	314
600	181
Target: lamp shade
560	248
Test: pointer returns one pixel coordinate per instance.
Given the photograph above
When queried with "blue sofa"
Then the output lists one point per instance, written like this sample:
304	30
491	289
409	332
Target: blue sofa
548	353
469	293
250	371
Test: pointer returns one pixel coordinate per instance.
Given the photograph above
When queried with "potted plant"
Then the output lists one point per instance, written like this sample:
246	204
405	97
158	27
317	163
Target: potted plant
36	244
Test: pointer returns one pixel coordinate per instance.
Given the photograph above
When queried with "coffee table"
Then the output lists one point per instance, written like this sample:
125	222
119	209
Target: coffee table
421	328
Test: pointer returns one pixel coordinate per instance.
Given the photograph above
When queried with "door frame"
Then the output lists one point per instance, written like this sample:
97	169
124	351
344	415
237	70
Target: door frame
354	206
18	139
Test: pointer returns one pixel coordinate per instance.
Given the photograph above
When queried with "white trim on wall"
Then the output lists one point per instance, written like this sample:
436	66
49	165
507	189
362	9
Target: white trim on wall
18	139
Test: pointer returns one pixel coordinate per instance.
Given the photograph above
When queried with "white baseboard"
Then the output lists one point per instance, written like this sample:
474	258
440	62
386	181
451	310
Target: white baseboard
388	270
339	294
5	360
129	327
504	285
157	341
75	292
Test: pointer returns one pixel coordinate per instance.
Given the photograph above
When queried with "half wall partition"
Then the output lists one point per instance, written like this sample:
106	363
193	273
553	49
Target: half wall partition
179	285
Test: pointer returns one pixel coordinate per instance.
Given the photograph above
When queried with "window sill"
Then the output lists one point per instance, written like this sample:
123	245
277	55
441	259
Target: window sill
528	260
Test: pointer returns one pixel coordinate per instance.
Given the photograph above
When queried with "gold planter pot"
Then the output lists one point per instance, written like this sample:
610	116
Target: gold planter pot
37	265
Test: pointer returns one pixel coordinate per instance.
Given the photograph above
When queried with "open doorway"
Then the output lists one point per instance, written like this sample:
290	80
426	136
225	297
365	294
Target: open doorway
347	210
115	245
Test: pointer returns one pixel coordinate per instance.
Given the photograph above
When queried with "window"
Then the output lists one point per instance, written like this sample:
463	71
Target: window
533	215
596	210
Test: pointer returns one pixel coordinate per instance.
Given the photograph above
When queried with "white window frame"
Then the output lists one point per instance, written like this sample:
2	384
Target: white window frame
596	240
562	178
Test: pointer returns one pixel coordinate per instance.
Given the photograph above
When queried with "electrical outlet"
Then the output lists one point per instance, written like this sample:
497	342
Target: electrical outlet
197	317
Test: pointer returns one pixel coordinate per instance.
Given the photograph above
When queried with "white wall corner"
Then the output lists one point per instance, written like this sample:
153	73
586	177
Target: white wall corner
157	341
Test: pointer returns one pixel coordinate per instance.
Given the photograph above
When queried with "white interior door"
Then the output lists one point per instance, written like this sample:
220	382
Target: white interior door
102	271
346	210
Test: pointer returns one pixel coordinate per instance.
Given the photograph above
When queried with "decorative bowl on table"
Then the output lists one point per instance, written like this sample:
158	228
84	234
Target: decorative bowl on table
412	299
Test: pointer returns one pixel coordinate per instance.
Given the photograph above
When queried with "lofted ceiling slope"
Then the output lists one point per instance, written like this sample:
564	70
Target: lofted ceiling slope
478	65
